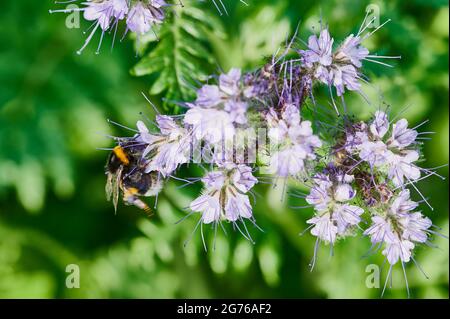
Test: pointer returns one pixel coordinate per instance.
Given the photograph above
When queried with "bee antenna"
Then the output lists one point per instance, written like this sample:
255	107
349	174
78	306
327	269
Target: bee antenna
103	149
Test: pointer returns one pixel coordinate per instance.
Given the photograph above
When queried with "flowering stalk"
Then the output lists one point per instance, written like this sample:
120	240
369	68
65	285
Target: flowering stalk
245	125
368	171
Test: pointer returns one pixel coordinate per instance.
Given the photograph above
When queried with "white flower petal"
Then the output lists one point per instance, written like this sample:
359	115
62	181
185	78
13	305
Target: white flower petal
380	124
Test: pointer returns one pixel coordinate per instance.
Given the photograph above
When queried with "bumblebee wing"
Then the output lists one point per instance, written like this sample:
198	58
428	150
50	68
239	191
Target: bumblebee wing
109	185
112	188
115	190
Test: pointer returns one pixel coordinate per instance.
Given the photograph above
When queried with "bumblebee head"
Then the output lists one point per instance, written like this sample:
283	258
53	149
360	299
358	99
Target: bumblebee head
119	156
119	152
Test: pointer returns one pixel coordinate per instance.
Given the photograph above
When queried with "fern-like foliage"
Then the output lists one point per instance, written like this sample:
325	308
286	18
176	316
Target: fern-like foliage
179	55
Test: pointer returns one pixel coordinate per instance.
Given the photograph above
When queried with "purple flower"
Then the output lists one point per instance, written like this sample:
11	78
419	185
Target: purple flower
319	49
346	216
167	150
214	180
334	216
293	141
208	96
399	228
413	224
402	136
228	89
343	193
344	77
237	110
375	153
217	108
351	51
402	204
377	231
210	124
230	83
319	197
288	162
401	167
356	136
143	15
340	68
243	178
415	227
103	12
224	196
291	115
324	228
258	84
209	206
380	125
106	14
147	138
398	249
390	153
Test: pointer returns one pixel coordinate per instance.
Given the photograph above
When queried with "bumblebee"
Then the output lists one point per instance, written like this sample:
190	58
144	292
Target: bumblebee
125	170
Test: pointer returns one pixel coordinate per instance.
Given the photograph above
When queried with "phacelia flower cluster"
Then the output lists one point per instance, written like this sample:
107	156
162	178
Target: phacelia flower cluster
331	197
228	128
225	197
139	16
392	149
292	140
246	125
399	227
364	189
218	109
339	67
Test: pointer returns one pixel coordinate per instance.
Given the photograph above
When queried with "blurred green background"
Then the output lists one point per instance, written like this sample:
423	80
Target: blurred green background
53	110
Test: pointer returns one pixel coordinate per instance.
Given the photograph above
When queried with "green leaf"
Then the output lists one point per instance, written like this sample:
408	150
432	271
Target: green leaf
182	57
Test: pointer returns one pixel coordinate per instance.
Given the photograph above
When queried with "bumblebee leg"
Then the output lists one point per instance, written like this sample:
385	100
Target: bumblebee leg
130	197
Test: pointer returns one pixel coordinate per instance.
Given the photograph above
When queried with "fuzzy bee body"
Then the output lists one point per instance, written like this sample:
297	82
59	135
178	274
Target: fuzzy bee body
125	170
